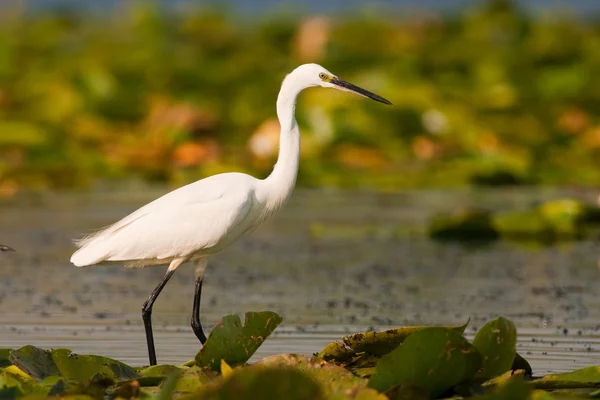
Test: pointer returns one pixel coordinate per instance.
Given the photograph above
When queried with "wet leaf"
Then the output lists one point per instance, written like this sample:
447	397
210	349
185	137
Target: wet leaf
380	343
434	359
264	383
234	343
34	361
496	341
587	377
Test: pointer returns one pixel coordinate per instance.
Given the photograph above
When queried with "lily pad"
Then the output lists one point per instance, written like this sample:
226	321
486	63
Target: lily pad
496	341
515	389
588	377
159	370
194	378
234	342
34	361
337	382
336	351
85	367
380	343
264	383
433	359
4	358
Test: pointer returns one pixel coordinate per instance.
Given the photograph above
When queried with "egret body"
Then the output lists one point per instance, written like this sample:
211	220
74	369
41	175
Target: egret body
5	248
200	219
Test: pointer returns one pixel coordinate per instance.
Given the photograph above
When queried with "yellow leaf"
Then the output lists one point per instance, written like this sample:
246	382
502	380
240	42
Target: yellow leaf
14	370
226	370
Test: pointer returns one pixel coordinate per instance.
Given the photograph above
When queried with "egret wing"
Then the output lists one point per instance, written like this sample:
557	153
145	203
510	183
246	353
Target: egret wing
178	224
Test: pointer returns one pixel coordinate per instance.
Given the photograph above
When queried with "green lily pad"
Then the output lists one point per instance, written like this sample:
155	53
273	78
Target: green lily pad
588	377
337	382
264	383
434	359
159	370
34	361
168	387
336	351
380	343
5	358
85	367
194	378
496	341
235	343
515	389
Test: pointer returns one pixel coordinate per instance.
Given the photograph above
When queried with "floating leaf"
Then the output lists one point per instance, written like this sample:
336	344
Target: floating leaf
496	341
34	361
380	343
85	367
587	377
265	383
194	378
159	370
434	359
514	390
4	358
168	387
234	343
337	382
336	351
505	377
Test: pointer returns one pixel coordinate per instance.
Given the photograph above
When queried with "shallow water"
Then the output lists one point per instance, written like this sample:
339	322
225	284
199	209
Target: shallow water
332	263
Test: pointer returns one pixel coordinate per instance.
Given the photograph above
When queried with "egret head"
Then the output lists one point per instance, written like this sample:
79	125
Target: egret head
315	75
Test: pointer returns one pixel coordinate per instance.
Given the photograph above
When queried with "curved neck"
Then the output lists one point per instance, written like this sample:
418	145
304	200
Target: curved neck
282	180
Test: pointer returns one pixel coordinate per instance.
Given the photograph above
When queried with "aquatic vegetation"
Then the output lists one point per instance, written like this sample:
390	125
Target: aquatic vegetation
562	219
491	95
403	363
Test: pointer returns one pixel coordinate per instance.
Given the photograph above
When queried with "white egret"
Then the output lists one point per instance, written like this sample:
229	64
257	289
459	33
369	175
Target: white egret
5	248
202	218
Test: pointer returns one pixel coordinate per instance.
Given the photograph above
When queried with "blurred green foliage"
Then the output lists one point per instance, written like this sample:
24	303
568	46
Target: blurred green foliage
486	96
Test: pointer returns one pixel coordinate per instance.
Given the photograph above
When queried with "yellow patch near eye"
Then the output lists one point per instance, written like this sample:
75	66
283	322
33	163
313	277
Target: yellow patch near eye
324	77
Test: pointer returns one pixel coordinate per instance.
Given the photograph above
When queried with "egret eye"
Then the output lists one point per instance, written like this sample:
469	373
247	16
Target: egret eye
322	75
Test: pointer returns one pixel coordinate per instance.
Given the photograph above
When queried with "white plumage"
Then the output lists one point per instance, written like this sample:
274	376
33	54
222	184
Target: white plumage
202	218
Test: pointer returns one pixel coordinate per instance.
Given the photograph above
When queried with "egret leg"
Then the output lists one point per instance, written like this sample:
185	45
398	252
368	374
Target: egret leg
147	310
196	325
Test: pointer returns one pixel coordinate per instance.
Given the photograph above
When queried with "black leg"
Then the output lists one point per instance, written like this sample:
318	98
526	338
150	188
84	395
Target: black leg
196	325
147	316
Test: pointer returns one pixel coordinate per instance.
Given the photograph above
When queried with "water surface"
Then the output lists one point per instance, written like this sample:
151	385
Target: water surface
332	263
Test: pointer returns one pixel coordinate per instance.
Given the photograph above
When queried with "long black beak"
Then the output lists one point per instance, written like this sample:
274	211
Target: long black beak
5	248
348	87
